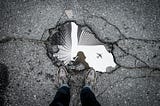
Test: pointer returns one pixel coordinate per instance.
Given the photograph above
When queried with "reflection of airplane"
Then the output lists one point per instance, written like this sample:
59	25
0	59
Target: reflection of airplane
99	55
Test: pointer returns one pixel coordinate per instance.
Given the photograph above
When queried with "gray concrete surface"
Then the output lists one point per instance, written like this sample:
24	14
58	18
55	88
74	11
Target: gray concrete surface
131	28
31	73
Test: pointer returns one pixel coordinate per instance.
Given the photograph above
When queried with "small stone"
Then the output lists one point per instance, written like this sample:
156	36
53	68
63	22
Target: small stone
69	13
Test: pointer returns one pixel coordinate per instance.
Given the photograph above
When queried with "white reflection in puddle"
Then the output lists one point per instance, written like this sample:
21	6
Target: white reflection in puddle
97	56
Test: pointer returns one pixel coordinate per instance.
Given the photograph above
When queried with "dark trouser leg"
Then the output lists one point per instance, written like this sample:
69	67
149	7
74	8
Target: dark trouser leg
88	98
62	97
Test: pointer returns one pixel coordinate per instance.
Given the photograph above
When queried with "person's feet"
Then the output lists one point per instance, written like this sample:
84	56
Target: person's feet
90	79
62	76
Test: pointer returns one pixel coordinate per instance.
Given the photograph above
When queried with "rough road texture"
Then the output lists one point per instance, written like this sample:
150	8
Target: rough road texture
131	28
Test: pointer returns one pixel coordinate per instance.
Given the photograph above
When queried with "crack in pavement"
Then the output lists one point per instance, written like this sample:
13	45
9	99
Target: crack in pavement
58	22
123	37
145	40
8	39
124	79
133	56
95	35
127	53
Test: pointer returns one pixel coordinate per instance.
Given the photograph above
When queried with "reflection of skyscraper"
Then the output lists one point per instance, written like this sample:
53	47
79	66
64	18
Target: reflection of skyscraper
86	37
62	35
57	37
63	40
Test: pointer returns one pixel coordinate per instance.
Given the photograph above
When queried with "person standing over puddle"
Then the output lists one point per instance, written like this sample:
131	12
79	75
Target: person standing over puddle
62	97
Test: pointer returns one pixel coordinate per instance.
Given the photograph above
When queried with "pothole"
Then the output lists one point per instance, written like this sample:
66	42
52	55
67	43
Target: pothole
66	40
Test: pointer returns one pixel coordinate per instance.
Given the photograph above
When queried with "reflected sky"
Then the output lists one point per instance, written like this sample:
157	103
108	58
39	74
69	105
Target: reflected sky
96	55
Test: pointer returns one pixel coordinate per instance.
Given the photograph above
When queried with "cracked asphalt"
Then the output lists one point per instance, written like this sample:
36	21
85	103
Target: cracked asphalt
130	28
